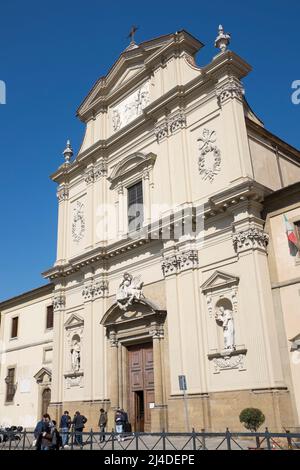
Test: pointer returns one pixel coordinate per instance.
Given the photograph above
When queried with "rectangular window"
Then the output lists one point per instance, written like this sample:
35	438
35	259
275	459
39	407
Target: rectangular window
135	207
14	327
49	320
10	384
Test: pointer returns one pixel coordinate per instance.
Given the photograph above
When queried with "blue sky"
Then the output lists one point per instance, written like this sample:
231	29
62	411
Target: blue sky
51	53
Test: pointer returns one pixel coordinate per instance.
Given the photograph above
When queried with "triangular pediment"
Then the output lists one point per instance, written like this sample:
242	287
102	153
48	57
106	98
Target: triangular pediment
218	280
43	374
73	321
132	68
127	75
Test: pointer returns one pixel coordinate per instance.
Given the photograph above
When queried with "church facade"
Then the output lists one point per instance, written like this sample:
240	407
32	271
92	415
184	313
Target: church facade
161	298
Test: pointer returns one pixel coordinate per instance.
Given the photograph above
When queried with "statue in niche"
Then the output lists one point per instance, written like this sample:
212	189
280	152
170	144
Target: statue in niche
75	354
224	316
130	289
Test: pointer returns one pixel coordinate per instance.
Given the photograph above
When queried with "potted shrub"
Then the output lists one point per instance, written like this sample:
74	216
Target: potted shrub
252	419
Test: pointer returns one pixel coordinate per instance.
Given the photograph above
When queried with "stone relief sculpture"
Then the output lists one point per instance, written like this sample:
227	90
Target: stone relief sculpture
210	156
131	107
75	354
116	119
78	222
224	316
130	289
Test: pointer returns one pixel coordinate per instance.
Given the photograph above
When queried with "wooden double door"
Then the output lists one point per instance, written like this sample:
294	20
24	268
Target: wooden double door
141	386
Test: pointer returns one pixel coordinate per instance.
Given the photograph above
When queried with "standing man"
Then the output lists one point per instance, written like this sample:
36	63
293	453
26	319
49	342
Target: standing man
78	423
65	423
119	420
102	424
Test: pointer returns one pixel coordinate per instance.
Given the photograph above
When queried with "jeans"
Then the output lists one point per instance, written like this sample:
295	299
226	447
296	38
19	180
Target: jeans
102	430
64	436
44	447
119	430
78	436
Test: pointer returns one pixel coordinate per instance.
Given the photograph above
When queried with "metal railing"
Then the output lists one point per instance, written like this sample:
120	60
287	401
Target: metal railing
161	441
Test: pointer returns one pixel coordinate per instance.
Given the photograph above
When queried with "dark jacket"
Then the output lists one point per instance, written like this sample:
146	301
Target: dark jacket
40	427
79	421
102	419
119	418
56	439
46	440
65	421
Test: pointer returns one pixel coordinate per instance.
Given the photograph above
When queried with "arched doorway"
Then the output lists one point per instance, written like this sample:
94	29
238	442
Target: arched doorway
46	398
136	337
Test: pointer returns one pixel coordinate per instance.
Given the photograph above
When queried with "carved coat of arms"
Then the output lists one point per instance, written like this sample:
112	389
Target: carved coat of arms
130	289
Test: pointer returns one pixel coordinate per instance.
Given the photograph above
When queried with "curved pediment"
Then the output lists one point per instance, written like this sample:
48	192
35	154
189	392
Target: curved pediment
138	310
132	163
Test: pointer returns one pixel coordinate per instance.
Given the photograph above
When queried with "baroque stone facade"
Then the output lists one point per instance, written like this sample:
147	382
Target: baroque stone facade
165	258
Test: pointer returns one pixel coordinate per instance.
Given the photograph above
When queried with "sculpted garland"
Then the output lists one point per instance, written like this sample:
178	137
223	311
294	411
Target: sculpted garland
210	156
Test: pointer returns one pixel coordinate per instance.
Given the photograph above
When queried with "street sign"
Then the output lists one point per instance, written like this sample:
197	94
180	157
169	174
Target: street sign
182	382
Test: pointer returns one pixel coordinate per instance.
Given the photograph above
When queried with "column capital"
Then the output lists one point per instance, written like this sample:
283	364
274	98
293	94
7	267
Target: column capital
59	301
231	89
62	192
114	343
157	331
250	239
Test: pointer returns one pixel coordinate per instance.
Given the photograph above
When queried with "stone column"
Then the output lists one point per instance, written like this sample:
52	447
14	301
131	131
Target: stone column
120	210
114	373
89	179
157	335
87	350
147	199
62	196
57	382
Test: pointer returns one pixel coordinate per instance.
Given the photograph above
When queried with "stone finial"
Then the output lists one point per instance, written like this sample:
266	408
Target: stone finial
222	40
68	152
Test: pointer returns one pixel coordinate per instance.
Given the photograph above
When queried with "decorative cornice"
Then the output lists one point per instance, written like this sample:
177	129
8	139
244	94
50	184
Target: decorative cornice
170	125
251	238
232	89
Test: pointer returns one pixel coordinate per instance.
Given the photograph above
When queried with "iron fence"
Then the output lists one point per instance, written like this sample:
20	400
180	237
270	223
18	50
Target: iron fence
161	441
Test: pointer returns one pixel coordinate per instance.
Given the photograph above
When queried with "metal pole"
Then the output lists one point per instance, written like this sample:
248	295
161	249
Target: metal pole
228	439
186	412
